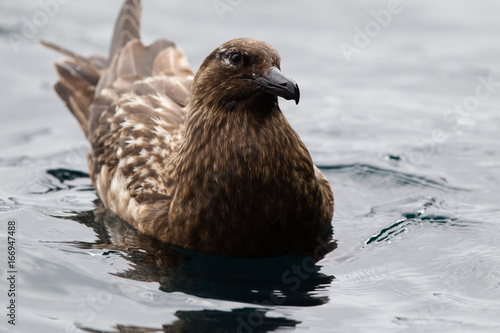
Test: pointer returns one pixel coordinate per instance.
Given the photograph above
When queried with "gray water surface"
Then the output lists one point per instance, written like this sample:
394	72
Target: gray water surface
395	108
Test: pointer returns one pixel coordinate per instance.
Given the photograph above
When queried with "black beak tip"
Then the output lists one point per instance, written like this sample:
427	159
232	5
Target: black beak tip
276	83
296	93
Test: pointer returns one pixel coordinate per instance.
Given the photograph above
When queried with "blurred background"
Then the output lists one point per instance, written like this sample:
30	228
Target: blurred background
399	107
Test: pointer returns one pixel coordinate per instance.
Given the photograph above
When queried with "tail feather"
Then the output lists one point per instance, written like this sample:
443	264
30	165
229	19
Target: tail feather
90	85
68	53
76	87
72	71
99	61
75	103
79	76
127	26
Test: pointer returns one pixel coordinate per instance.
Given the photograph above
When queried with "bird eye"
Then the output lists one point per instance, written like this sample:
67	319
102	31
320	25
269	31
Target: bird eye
235	57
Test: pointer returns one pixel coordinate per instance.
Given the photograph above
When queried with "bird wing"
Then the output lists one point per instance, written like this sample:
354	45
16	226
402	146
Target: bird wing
137	119
132	108
136	122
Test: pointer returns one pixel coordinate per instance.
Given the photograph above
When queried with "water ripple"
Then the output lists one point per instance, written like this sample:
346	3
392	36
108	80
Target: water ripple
379	176
412	219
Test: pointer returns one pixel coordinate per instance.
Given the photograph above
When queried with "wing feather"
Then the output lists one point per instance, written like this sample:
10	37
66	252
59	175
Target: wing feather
132	108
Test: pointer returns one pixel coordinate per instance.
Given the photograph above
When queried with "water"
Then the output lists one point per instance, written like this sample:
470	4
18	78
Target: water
415	183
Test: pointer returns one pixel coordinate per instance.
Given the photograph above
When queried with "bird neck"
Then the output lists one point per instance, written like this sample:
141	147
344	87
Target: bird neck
242	173
228	150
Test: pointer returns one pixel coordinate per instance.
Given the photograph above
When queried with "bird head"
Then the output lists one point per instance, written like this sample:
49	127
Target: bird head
243	71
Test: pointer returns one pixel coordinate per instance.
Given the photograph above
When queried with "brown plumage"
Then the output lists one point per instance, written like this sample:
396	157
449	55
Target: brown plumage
208	162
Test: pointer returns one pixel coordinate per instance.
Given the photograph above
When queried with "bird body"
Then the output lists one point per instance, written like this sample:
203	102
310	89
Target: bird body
206	162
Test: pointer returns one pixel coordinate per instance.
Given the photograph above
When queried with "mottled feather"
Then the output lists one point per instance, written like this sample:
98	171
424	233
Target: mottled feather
207	162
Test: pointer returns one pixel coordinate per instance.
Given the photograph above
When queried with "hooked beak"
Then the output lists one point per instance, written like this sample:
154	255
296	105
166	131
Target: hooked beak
276	83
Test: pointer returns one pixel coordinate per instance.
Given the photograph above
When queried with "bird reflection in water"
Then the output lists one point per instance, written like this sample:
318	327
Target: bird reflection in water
291	280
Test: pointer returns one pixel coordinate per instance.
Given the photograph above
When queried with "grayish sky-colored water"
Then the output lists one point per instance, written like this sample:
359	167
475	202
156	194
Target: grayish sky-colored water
399	105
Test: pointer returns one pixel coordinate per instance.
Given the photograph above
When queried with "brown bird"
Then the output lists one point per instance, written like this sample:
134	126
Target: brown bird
207	163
